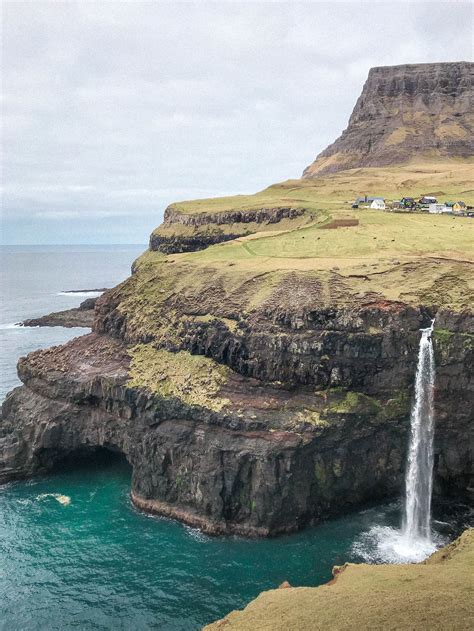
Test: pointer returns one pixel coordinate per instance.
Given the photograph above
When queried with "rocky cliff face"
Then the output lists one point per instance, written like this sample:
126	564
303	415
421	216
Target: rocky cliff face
181	232
404	112
307	417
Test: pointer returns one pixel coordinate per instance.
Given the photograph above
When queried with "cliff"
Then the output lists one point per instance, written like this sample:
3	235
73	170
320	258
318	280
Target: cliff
436	594
250	403
257	367
405	112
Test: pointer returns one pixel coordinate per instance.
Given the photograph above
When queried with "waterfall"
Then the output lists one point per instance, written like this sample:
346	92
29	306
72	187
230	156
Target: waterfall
414	541
419	475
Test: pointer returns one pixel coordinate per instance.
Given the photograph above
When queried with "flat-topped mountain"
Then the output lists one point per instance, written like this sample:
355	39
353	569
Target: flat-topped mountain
404	112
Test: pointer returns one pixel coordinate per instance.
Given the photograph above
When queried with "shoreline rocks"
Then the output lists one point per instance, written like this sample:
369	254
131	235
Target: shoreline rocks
82	316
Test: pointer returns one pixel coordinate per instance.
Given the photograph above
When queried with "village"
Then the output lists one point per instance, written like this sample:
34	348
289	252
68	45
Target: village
425	203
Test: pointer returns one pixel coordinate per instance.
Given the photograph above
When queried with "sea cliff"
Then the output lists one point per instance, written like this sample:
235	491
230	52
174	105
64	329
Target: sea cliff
403	112
256	369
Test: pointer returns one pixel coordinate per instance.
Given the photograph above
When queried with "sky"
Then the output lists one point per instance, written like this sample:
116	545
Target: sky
112	110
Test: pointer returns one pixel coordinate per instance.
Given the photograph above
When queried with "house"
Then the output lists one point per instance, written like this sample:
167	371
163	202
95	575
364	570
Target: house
378	204
407	202
459	207
439	209
426	200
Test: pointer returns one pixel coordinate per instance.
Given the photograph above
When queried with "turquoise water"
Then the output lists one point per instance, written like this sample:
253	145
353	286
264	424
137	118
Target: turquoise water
96	563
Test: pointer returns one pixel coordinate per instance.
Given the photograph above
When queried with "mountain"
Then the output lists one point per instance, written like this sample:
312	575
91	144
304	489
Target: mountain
405	112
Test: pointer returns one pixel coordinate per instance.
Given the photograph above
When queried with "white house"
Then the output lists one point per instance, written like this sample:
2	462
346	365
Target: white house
438	209
378	204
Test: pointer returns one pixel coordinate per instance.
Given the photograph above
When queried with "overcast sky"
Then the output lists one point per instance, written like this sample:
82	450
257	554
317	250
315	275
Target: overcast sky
112	110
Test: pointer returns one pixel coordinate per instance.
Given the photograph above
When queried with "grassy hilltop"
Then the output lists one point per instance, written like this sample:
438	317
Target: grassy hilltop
416	258
412	180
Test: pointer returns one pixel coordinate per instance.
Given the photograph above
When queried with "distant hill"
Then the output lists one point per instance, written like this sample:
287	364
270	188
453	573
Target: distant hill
405	112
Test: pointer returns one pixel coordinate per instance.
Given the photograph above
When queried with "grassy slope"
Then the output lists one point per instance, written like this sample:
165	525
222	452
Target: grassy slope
437	594
415	258
390	254
192	379
450	180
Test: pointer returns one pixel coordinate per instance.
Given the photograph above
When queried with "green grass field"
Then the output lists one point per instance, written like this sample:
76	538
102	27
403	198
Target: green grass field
379	235
451	180
411	257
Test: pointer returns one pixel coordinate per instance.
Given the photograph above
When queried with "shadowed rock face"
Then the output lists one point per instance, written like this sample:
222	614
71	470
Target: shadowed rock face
405	111
276	456
201	230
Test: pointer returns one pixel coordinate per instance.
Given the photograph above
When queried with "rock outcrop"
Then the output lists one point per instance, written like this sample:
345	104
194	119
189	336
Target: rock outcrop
82	316
181	232
404	112
274	429
255	390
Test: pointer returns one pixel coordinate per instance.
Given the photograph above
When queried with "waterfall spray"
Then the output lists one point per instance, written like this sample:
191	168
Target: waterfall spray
419	476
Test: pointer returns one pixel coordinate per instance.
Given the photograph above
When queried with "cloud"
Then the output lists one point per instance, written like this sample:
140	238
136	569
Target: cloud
115	109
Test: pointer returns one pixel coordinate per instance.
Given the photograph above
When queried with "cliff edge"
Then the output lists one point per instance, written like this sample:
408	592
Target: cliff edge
435	594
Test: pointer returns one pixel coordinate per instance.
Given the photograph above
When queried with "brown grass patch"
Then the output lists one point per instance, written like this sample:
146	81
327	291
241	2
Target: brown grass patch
340	223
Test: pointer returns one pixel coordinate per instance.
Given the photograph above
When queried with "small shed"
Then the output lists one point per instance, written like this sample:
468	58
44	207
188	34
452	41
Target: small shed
378	204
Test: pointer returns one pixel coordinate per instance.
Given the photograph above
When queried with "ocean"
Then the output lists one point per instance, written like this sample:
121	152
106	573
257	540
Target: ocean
74	552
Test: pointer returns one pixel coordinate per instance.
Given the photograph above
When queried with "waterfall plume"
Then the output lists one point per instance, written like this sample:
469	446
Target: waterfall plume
419	475
414	541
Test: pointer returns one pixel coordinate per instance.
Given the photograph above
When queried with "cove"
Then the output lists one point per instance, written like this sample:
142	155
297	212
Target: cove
98	563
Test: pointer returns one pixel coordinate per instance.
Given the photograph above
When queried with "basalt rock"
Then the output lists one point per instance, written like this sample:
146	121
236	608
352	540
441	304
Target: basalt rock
82	316
298	407
276	456
404	112
181	232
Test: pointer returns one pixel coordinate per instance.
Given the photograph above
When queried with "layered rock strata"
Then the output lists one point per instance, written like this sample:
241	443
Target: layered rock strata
404	112
255	391
275	444
181	232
